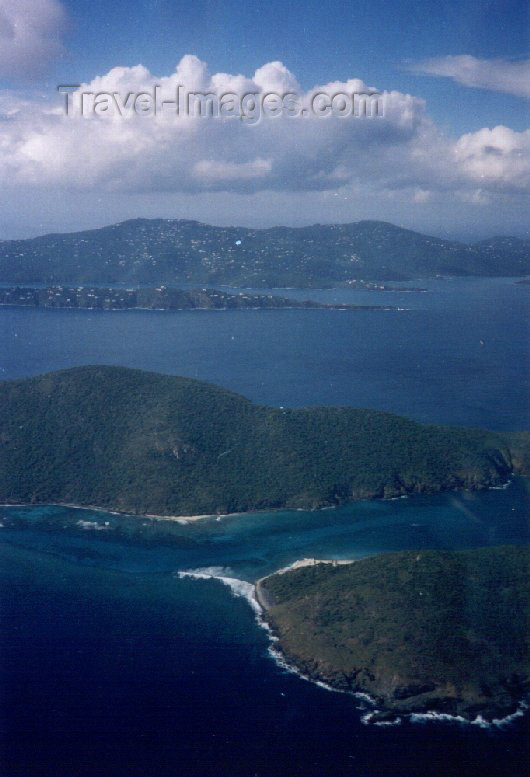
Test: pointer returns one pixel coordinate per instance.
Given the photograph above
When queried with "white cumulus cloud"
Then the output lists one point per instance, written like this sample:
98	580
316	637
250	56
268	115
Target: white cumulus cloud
403	152
495	155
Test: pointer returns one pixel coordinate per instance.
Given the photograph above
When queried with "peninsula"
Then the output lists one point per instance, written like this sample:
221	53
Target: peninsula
160	298
418	631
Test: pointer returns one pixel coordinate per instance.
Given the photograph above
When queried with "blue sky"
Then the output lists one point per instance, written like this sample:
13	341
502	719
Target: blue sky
316	40
404	46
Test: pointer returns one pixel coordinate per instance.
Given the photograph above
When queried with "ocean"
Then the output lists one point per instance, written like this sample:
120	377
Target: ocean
112	666
457	354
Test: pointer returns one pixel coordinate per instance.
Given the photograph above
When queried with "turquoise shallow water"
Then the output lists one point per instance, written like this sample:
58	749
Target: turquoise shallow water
112	667
250	546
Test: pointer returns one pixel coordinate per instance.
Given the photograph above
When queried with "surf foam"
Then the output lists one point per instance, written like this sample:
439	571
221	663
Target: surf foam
247	591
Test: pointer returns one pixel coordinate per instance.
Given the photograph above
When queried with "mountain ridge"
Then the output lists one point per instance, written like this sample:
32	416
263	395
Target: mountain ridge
174	251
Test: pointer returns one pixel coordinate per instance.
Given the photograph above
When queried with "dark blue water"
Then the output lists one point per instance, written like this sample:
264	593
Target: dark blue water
112	667
458	355
133	676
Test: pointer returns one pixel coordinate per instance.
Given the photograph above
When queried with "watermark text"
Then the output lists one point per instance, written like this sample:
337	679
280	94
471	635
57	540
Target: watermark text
250	107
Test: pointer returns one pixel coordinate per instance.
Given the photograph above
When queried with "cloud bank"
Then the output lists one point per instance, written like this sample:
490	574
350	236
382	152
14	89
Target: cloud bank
404	151
65	172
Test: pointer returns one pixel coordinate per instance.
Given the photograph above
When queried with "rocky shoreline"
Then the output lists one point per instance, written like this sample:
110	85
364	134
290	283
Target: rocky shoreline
393	693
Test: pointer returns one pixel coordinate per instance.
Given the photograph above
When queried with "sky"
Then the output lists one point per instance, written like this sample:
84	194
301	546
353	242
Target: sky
450	156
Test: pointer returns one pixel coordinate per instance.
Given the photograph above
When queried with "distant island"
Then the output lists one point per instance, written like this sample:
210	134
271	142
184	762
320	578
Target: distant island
145	443
418	631
161	298
150	252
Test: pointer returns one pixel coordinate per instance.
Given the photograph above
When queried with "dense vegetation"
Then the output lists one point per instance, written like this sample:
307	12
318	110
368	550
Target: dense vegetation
161	298
155	251
417	630
143	442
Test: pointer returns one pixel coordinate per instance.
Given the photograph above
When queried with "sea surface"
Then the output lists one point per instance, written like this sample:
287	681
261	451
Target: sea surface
112	666
456	354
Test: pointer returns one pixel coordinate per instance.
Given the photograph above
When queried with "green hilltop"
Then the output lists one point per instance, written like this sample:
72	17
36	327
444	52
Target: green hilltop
147	443
417	630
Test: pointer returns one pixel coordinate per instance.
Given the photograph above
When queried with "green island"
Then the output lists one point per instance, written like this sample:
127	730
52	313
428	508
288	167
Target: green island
417	631
176	251
160	298
146	443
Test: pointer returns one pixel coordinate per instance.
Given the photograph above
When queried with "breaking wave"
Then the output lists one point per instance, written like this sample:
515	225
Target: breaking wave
245	590
427	717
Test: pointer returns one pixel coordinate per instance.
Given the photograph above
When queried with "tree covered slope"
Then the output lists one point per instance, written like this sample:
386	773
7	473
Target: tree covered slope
149	443
417	630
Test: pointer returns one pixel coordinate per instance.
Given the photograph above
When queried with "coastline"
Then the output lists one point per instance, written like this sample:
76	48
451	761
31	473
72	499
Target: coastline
372	711
322	306
185	519
266	600
256	596
378	713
